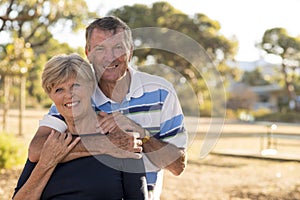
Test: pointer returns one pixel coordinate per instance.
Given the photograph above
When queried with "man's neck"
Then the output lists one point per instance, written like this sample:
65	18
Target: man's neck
116	91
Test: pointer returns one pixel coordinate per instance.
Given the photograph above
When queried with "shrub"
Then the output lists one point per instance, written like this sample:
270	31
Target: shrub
12	151
261	112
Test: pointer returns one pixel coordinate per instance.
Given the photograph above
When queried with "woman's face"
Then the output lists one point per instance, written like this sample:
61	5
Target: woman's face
72	98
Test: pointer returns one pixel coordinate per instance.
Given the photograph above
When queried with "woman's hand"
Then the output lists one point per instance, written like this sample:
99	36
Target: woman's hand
56	147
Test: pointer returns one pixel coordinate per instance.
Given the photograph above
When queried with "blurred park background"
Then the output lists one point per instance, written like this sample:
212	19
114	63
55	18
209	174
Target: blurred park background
255	105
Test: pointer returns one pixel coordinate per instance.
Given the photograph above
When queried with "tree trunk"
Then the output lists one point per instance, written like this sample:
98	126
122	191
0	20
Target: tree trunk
7	82
22	103
289	88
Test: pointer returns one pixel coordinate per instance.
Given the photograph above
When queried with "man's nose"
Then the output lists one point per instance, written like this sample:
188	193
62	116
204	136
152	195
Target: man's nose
109	55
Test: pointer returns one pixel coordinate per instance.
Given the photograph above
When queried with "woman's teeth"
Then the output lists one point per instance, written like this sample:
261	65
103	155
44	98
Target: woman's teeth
72	104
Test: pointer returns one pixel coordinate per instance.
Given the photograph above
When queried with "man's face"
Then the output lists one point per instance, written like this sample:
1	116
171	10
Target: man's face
109	54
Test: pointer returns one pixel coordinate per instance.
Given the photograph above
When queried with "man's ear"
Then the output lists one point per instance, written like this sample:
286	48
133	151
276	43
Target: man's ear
86	52
131	53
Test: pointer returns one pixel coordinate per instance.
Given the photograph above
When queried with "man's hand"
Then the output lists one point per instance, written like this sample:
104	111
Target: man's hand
127	141
122	144
110	122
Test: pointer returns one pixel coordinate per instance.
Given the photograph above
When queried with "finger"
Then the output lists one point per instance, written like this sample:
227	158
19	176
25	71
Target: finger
62	136
109	126
138	149
138	156
73	144
51	133
134	155
139	142
134	134
120	118
106	117
68	138
105	120
50	137
102	114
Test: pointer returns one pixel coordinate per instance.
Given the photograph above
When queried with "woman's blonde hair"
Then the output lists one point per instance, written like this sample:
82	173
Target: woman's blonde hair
60	68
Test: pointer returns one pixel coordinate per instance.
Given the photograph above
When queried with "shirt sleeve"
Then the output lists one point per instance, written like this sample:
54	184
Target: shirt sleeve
54	122
172	129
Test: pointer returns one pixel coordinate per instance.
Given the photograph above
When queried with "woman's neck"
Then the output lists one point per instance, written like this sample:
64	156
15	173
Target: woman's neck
83	125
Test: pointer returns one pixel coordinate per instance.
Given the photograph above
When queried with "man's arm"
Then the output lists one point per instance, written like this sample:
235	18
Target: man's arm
165	155
119	144
161	154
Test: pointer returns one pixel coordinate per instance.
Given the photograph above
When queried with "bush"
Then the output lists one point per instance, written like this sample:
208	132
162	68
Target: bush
261	112
12	151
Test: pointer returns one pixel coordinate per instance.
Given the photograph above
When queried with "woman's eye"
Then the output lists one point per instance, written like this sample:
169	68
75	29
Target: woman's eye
58	90
76	85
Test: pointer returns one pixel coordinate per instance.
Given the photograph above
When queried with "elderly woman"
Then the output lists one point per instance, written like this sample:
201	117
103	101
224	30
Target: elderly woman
69	81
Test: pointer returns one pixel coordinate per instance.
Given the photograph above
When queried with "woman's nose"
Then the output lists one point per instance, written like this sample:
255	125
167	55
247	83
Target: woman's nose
69	93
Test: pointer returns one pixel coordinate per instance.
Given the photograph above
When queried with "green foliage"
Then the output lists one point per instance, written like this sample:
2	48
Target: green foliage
206	109
30	25
261	112
254	78
278	42
12	151
204	31
241	97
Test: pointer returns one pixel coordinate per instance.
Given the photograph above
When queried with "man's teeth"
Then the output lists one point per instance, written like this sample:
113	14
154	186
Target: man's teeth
72	104
111	67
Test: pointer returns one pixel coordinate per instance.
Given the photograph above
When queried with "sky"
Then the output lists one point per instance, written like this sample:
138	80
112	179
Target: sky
247	20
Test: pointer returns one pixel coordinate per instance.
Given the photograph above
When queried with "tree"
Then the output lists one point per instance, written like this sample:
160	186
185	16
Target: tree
199	28
278	42
254	78
34	22
241	97
29	25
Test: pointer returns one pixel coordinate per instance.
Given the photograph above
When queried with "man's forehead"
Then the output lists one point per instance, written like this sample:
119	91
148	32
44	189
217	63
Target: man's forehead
117	33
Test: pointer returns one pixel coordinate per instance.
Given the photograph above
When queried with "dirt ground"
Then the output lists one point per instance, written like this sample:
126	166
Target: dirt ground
214	177
234	178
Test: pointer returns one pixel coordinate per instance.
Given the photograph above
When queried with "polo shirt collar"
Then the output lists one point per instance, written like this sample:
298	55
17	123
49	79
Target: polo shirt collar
135	89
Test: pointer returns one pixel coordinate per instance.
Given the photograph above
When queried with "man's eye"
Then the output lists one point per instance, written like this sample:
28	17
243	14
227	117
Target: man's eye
119	46
99	49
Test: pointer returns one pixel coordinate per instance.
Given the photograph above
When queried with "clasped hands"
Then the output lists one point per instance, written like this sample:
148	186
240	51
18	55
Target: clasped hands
122	132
